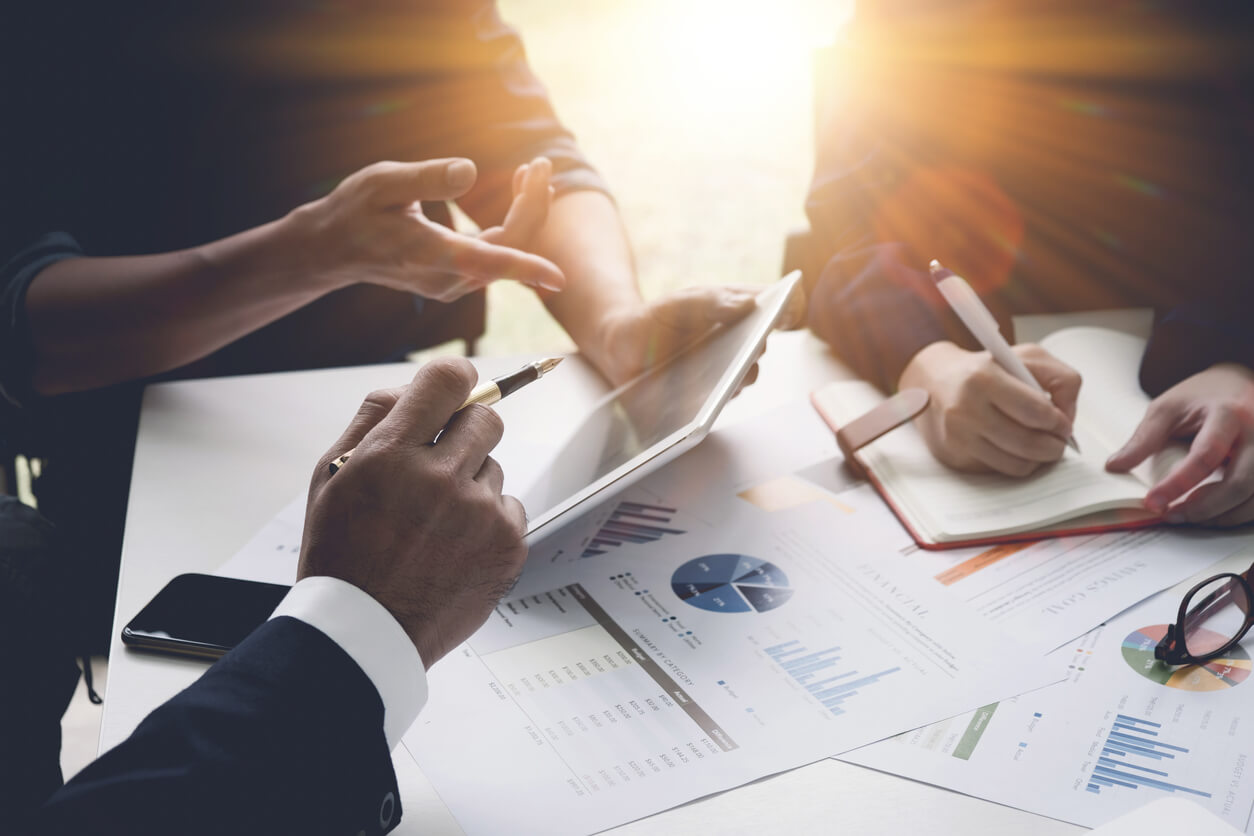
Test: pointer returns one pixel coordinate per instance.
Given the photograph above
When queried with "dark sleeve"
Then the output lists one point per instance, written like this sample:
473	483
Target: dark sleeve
503	116
1194	337
282	735
17	349
870	295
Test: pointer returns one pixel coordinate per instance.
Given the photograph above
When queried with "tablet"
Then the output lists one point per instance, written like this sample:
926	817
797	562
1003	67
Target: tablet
652	419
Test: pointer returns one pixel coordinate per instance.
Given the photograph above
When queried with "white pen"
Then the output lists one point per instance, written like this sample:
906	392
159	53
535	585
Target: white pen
983	326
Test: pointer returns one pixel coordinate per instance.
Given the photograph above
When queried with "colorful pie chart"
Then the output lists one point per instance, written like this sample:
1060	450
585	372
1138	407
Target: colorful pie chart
1215	675
731	583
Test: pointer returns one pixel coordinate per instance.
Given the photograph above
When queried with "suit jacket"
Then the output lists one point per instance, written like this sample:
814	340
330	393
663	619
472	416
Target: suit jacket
282	735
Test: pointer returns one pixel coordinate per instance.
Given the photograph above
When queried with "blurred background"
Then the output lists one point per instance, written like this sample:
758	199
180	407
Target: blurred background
698	113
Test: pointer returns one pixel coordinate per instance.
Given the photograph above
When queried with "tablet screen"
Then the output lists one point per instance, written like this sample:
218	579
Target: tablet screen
654	413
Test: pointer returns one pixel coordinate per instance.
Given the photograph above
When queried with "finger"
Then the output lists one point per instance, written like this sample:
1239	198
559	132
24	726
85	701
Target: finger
697	308
491	475
1150	436
468	439
519	174
483	262
529	210
437	391
400	184
1001	461
1211	501
795	312
751	377
372	411
1060	380
1022	442
515	513
1021	403
1210	447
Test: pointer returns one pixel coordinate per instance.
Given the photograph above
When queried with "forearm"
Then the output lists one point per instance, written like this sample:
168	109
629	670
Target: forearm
99	321
584	236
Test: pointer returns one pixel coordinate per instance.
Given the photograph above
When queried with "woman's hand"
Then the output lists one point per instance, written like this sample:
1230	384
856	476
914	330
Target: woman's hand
1215	408
982	418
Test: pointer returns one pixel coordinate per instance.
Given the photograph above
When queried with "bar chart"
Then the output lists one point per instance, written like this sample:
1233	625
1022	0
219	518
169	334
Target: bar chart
1129	739
816	671
631	522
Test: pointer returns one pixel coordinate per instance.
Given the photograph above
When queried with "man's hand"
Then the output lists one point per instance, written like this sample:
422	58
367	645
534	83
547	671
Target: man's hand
371	229
981	418
637	338
1216	409
420	526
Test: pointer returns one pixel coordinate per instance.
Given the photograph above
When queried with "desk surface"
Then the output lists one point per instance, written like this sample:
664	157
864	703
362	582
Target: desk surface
216	459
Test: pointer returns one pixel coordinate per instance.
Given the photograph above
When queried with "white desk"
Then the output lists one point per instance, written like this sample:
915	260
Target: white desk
216	459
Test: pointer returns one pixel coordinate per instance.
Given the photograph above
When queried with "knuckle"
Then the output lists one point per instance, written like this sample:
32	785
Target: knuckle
487	419
452	375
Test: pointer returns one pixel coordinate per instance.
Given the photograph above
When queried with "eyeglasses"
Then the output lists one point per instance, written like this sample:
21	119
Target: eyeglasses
1214	616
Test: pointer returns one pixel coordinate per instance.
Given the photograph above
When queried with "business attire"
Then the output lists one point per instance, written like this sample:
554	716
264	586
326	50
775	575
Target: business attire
139	126
1061	155
291	732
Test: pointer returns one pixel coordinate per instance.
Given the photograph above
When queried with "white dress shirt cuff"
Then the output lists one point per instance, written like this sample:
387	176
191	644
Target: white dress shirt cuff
367	632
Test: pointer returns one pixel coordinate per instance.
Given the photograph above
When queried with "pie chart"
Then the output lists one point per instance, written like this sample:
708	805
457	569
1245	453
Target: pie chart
731	583
1215	675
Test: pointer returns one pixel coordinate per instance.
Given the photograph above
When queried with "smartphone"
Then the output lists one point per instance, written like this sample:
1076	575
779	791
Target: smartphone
203	616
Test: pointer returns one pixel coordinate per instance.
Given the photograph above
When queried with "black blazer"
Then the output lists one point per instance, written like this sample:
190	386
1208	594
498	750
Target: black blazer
282	735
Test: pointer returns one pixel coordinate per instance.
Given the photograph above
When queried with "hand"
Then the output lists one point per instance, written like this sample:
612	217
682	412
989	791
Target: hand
371	229
637	338
533	195
981	418
422	527
1216	408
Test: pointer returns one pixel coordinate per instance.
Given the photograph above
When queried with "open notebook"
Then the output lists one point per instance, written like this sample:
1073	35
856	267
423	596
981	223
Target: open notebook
943	508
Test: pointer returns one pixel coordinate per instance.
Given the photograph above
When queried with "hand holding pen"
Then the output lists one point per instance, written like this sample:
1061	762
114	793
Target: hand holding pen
489	393
1009	410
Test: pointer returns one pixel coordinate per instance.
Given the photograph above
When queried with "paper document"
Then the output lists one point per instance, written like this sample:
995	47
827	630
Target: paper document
1047	592
718	652
1121	730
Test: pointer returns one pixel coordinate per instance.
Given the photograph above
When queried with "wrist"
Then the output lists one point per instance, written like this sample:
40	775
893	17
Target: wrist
300	239
922	368
612	348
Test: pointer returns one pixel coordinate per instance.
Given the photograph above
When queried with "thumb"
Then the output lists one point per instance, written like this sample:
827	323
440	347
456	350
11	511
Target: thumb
1150	436
400	184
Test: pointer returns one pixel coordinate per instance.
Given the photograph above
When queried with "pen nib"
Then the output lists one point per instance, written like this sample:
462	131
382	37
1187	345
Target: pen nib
548	364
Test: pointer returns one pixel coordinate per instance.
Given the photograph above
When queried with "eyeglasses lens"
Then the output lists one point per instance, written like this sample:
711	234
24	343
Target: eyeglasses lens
1217	614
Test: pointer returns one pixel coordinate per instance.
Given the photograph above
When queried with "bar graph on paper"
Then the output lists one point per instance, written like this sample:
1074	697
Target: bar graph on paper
631	522
819	673
1132	755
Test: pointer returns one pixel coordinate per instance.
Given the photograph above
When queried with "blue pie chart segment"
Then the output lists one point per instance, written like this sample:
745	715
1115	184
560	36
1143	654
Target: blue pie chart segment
731	583
763	598
722	598
713	568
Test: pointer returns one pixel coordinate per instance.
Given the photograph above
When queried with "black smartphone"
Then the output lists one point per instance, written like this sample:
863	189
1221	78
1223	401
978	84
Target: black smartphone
202	615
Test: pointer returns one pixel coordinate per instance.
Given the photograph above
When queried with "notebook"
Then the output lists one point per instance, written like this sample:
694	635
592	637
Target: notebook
944	508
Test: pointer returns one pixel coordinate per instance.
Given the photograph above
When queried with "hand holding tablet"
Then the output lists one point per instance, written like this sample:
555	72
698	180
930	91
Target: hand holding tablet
652	419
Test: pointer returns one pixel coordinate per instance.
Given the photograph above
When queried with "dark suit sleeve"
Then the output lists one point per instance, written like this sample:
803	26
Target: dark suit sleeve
282	735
